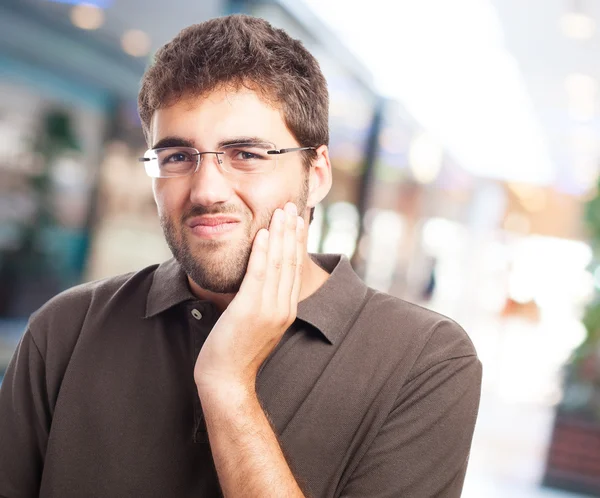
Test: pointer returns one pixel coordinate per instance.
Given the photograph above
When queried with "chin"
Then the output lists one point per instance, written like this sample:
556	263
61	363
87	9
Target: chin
232	288
213	280
216	272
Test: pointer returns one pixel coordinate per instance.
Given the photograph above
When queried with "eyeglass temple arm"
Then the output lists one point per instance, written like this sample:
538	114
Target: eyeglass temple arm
293	149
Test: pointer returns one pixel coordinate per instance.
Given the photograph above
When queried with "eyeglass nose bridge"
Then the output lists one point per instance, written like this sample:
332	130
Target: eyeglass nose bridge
217	156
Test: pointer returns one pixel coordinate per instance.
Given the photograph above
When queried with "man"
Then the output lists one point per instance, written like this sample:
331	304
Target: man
244	366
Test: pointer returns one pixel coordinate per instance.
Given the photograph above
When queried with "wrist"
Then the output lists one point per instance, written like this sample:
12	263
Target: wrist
230	392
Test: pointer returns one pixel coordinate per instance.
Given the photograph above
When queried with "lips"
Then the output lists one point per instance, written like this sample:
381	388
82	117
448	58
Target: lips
210	227
211	221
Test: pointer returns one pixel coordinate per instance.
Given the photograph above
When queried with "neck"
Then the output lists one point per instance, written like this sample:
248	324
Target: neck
313	277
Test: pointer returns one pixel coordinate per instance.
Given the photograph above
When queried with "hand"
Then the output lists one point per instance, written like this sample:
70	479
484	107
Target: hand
261	311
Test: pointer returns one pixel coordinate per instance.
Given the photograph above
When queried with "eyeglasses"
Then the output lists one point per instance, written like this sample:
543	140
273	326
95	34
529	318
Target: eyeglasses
243	158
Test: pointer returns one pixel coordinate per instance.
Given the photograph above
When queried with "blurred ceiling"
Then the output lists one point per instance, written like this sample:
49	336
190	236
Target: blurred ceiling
498	82
562	76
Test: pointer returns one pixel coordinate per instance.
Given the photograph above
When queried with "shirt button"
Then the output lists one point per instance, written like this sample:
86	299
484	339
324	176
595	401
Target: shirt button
196	314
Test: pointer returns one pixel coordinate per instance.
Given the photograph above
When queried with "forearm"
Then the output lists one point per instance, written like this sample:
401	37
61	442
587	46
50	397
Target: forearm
246	452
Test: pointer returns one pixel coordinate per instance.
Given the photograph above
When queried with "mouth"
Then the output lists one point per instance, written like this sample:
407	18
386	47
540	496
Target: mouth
211	227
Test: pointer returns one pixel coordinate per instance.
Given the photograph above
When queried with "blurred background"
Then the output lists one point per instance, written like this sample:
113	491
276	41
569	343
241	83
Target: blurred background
465	147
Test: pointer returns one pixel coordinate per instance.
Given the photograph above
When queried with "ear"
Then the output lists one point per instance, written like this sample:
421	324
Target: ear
319	177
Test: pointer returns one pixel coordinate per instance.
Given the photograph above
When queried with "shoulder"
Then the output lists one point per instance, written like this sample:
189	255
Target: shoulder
77	300
57	328
425	336
66	313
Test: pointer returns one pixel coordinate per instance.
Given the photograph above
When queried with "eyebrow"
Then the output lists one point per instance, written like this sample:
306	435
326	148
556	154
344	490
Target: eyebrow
245	140
174	141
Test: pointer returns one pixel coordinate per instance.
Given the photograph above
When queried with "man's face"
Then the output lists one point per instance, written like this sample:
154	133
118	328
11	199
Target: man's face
216	257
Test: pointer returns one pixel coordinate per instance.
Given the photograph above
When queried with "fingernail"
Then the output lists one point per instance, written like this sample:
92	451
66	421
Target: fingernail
300	223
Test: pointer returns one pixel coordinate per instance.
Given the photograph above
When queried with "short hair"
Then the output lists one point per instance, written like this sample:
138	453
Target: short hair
241	51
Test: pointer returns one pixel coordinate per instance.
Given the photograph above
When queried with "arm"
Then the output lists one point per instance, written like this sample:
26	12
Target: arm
247	455
24	421
423	447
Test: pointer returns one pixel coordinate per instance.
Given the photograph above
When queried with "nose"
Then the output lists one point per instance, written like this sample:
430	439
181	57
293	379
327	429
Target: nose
209	185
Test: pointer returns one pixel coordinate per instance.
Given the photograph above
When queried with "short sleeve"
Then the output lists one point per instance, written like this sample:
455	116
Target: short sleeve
24	421
423	447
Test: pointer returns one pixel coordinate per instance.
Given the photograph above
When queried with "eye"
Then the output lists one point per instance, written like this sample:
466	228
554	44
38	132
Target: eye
246	155
177	157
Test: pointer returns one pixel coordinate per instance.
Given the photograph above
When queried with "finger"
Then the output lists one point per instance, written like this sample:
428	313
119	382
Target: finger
254	279
289	252
300	242
274	258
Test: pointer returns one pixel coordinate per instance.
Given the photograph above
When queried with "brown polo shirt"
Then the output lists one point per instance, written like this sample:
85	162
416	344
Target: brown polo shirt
369	395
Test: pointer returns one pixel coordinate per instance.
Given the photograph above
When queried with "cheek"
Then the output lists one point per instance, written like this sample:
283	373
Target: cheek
265	196
169	195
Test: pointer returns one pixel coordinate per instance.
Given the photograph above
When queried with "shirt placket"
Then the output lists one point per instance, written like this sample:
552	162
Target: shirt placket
200	318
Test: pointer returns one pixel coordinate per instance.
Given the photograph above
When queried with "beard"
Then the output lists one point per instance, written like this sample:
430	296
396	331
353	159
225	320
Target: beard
219	266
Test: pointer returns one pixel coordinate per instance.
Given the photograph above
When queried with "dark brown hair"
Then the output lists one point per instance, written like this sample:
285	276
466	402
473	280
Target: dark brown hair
240	50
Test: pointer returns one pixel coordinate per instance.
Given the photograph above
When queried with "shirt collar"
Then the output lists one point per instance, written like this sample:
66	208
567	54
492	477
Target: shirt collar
331	309
334	306
169	287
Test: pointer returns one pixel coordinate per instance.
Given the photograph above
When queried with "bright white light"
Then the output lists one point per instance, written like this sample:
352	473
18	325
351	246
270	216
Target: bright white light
441	236
577	25
582	93
520	287
385	230
342	215
585	149
135	43
446	61
343	229
87	16
425	158
550	271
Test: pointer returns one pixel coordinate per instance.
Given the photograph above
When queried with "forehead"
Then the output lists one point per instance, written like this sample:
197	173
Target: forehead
221	114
